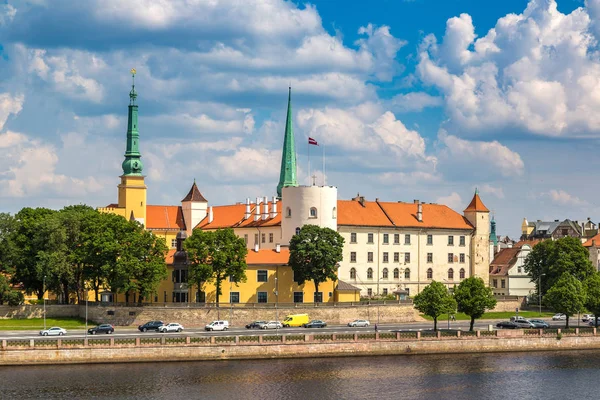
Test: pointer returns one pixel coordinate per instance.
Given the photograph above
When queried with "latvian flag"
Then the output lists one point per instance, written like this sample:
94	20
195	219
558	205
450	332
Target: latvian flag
312	141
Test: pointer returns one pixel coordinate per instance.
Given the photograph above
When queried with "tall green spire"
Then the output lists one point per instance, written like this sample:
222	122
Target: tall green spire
133	163
287	176
493	236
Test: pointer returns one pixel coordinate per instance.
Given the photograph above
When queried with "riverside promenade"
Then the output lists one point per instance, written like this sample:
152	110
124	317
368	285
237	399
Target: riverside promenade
194	348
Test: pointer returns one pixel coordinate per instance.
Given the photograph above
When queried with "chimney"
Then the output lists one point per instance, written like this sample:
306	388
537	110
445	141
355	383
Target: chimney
274	207
416	201
277	248
247	213
265	214
419	212
210	214
509	245
256	247
257	211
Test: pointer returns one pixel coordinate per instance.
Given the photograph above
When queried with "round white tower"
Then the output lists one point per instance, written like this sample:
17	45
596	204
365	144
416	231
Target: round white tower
307	205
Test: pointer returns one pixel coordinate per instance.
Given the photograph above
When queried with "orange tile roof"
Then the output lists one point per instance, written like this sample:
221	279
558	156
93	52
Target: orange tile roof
530	242
233	217
169	257
477	205
351	212
434	216
164	217
504	260
268	257
596	238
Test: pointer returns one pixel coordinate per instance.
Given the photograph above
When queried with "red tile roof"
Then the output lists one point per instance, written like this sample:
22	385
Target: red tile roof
530	242
355	213
504	260
268	257
477	205
233	217
434	216
164	217
596	239
169	257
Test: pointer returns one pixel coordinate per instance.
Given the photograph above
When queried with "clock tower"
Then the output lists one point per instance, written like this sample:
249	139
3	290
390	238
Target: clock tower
132	190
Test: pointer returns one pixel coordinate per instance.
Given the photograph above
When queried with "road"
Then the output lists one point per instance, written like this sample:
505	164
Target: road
233	331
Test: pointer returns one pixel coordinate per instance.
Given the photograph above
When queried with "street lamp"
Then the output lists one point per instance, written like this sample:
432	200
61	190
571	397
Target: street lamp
44	295
230	302
276	299
86	312
540	292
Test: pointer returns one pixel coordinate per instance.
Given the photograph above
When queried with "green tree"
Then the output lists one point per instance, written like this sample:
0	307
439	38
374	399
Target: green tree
434	301
314	255
592	300
474	298
567	296
228	258
8	225
551	259
198	248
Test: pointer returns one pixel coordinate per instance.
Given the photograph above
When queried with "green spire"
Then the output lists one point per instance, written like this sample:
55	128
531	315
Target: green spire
287	176
493	236
133	163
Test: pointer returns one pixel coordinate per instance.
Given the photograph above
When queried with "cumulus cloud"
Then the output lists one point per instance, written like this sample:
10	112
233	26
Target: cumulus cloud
493	190
248	165
415	101
453	200
563	198
9	104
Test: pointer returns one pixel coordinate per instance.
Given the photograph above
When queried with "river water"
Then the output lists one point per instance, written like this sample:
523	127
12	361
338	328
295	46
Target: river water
543	375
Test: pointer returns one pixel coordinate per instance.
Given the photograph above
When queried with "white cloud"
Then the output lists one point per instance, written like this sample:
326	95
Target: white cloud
9	105
453	201
383	47
493	190
415	101
7	14
563	198
249	165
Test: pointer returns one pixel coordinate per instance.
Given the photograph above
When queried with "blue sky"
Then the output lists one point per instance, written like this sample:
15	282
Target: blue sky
421	99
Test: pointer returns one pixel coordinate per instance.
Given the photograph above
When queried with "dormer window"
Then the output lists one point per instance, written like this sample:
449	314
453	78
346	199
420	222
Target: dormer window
313	212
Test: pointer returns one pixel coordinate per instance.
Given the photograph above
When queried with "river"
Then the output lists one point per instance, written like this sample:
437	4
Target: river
543	375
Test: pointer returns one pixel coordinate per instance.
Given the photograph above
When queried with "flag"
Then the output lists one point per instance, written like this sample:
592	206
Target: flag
312	141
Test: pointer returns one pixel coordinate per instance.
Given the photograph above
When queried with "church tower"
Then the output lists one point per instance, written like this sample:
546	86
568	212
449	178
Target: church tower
194	207
287	176
132	189
479	216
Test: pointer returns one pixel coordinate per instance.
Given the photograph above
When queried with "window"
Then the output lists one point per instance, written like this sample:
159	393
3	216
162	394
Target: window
352	256
396	238
370	238
256	238
396	273
450	240
519	269
385	292
370	273
313	212
461	257
334	213
461	273
503	283
270	238
370	292
173	243
234	297
407	273
429	257
298	297
406	239
261	297
429	273
385	257
429	239
396	257
353	237
230	278
495	283
288	212
451	274
461	241
450	258
385	273
386	238
318	297
246	239
263	238
406	257
370	256
297	231
262	275
352	273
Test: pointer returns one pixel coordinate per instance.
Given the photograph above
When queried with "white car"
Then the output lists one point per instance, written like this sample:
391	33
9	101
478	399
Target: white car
272	325
54	331
217	326
359	322
559	317
587	317
172	327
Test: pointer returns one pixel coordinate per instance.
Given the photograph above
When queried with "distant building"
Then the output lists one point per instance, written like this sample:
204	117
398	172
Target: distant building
558	229
507	272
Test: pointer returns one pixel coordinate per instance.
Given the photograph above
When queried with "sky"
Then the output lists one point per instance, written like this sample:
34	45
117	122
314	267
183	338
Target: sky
410	99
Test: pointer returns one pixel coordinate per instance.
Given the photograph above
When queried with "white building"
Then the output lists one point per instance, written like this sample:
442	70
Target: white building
507	272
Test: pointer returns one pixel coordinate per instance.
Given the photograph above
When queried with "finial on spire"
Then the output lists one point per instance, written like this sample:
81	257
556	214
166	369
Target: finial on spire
476	190
132	94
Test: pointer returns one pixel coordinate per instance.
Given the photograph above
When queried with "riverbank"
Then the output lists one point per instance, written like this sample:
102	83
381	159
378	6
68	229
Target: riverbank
165	348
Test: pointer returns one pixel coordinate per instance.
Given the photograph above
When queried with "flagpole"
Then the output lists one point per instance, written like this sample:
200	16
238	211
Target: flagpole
323	163
308	147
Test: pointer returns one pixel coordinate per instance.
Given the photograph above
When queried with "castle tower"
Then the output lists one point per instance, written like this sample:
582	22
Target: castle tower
132	189
194	207
287	176
479	216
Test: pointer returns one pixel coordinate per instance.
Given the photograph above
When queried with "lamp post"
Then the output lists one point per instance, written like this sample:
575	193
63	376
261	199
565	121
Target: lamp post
86	312
276	299
230	301
44	295
540	293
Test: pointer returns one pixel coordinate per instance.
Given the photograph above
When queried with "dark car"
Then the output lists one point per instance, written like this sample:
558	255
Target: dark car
104	328
151	326
506	325
538	323
315	324
256	325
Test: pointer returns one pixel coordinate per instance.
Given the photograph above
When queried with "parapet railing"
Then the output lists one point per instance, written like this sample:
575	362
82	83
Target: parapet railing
256	305
278	339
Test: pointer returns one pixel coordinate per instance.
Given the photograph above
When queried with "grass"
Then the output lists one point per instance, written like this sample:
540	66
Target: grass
38	324
493	315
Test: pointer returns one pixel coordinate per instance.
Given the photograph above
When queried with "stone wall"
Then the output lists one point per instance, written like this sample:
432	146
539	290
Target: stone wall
509	305
37	311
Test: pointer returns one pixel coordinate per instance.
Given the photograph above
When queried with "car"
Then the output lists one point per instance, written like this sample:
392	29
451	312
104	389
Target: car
172	327
272	325
587	317
539	324
315	324
506	325
255	324
592	322
359	322
523	324
151	326
217	326
559	317
54	331
517	318
104	328
295	320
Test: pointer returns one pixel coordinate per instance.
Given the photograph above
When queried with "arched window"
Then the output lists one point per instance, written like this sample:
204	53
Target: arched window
352	273
370	273
429	273
297	231
407	273
313	212
385	273
396	273
450	273
334	213
288	212
462	273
